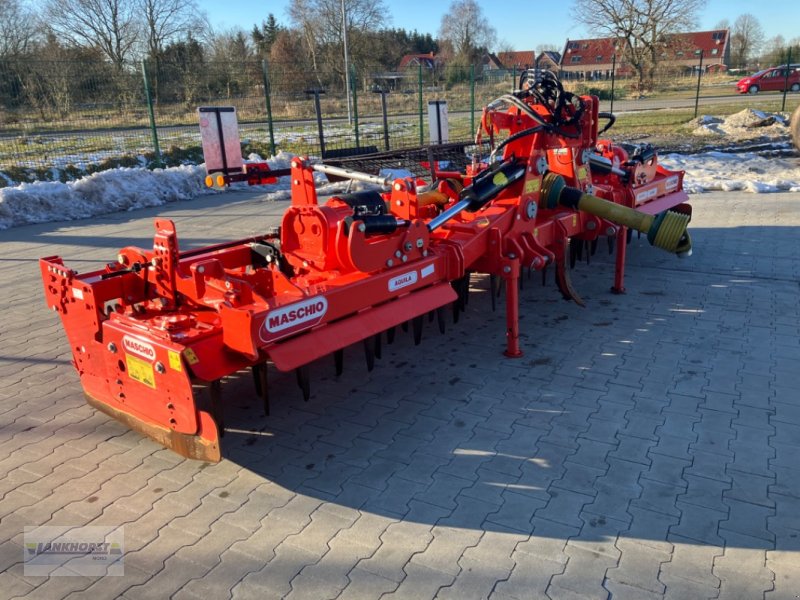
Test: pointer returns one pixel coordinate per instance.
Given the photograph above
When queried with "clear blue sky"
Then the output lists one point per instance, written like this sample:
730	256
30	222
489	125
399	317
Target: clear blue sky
524	24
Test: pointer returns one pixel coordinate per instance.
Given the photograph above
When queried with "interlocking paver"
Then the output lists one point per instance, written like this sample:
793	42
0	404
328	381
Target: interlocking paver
742	569
364	584
400	542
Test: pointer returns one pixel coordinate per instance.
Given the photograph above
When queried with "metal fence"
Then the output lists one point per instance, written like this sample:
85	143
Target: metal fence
59	120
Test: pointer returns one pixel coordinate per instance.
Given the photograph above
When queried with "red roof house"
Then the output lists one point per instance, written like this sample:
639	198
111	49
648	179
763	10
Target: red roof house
679	50
428	61
518	60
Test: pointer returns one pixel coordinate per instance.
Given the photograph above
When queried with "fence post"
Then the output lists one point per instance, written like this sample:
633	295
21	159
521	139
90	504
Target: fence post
514	79
267	92
318	113
472	99
613	79
699	77
354	91
383	93
153	133
786	79
421	120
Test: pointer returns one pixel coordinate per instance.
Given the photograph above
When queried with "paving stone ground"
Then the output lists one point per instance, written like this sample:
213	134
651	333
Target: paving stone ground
646	446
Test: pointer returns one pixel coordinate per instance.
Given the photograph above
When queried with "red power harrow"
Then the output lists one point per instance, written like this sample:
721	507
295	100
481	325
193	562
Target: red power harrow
151	328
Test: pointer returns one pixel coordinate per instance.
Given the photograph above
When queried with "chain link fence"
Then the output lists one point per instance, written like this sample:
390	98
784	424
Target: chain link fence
60	120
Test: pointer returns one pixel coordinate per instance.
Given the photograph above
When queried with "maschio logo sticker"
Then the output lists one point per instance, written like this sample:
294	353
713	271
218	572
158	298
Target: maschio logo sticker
294	315
139	348
401	281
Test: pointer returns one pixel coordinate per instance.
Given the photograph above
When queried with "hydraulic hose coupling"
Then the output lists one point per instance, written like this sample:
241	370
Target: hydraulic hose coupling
666	230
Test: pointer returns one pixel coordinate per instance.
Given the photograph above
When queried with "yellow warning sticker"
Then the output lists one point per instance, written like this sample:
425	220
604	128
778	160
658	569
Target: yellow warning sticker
500	179
190	356
175	360
582	173
531	186
574	220
141	371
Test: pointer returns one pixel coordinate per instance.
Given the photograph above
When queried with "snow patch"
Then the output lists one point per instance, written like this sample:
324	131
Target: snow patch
745	125
727	172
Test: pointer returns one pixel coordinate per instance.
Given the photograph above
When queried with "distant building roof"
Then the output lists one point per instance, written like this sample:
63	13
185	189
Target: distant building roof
589	52
707	41
554	57
491	61
411	60
522	59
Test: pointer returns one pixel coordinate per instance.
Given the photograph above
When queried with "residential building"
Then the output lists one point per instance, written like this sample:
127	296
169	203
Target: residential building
594	58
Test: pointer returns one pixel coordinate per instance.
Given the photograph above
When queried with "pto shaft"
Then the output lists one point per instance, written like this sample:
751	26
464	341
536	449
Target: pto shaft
666	230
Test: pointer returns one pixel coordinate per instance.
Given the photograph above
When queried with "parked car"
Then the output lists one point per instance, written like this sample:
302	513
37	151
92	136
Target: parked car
771	80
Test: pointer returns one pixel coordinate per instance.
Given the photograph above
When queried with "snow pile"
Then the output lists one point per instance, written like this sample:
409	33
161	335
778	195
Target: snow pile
97	194
126	189
744	125
727	172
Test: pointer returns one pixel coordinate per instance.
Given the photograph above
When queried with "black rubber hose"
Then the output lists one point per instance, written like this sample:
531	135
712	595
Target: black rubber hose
611	120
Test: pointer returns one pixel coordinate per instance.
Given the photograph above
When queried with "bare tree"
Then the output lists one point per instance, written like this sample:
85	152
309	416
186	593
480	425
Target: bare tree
110	25
747	37
17	28
642	28
466	30
320	23
547	48
168	20
504	46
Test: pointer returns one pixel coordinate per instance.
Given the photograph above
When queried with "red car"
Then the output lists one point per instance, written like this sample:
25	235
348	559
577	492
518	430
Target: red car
771	80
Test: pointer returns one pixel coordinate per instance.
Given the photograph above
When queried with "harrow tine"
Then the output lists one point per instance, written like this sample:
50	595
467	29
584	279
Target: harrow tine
303	381
593	246
417	324
563	280
611	240
262	376
587	249
390	335
369	352
404	326
378	349
217	409
466	284
256	378
440	317
544	275
431	316
530	272
575	246
338	360
493	291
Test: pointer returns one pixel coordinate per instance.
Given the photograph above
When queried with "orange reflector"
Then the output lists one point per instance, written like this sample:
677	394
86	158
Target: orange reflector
221	180
209	181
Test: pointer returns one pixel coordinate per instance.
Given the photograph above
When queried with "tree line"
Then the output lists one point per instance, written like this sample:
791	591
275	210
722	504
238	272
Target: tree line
55	53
